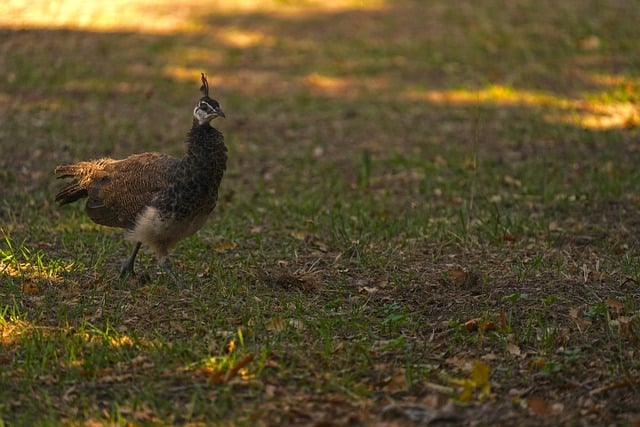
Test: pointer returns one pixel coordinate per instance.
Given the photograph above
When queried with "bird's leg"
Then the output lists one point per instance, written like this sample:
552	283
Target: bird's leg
165	265
127	265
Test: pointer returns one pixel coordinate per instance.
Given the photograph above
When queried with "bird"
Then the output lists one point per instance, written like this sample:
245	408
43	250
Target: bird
156	198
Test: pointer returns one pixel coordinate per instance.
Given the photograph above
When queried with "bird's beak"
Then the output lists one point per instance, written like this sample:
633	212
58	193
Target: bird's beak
219	112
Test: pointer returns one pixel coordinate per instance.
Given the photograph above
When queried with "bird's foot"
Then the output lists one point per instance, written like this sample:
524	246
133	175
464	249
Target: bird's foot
126	268
127	274
126	271
165	265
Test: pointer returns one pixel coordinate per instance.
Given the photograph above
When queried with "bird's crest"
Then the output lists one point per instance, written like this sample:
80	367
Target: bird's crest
205	86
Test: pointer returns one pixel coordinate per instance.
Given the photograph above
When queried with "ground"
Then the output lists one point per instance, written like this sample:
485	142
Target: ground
430	214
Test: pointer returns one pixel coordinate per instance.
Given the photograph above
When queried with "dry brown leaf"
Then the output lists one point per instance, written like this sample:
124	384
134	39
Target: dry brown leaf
538	406
296	324
624	325
272	363
437	388
488	326
116	378
396	382
177	327
237	367
277	324
504	324
508	237
472	324
597	276
459	362
224	247
223	376
270	391
101	373
460	277
511	181
417	414
627	382
614	305
490	356
537	363
477	324
31	287
582	324
513	349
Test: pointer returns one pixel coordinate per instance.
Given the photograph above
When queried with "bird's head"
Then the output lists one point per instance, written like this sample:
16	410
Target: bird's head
206	108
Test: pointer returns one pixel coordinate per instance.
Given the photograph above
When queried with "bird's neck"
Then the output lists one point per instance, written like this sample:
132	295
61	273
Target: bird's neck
205	149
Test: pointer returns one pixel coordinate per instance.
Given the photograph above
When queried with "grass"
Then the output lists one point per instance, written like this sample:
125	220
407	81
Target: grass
424	204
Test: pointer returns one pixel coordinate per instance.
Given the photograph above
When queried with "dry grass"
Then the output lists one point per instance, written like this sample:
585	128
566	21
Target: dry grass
429	216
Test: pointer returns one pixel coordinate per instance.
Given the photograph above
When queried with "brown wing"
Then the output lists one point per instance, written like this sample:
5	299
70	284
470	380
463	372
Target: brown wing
119	191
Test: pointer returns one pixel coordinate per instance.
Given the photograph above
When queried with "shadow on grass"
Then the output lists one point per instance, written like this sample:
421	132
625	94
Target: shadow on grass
342	126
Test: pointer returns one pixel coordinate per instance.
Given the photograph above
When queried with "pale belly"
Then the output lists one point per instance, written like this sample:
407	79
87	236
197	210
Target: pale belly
161	234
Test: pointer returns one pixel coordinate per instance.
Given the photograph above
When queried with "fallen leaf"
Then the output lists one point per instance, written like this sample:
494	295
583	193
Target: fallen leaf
597	276
538	406
238	367
513	349
477	324
480	375
116	378
614	305
490	356
478	381
223	376
627	382
437	388
624	324
537	363
511	181
270	391
30	287
472	324
582	324
296	324
504	324
277	324
460	277
397	382
421	414
509	237
272	363
459	362
224	247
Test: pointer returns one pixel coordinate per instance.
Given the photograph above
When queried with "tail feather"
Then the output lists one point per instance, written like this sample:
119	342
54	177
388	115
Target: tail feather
68	171
70	193
77	188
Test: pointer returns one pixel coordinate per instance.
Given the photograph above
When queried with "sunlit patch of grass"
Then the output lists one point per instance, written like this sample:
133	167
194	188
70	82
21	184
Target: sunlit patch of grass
223	369
579	112
11	327
160	17
96	16
496	94
412	187
19	261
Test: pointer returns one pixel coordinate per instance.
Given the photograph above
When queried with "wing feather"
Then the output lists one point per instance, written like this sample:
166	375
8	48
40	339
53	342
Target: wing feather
119	191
